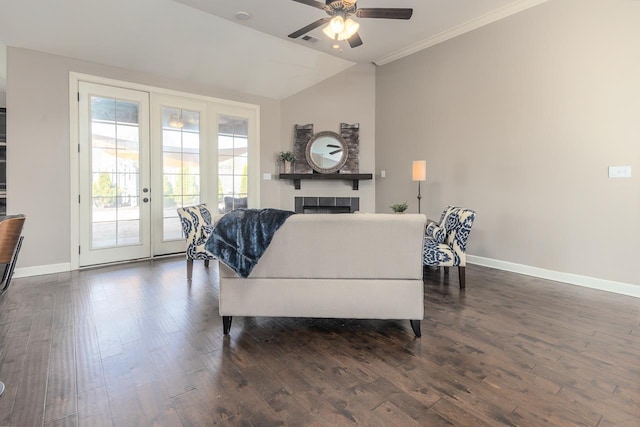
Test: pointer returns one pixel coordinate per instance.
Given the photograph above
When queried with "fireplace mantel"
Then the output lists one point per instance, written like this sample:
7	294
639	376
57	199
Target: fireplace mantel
355	178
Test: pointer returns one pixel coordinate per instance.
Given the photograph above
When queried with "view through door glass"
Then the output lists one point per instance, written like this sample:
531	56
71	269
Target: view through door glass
115	163
233	147
180	166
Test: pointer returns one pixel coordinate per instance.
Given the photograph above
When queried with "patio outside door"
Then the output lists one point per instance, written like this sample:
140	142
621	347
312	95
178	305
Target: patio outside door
115	195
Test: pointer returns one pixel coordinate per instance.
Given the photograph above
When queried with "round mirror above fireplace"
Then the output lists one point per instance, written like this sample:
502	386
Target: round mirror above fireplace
327	152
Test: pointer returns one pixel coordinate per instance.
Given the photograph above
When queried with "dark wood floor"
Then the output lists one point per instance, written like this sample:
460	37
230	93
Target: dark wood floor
137	345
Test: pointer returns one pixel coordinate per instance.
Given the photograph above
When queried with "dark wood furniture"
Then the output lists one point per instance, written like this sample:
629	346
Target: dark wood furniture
10	243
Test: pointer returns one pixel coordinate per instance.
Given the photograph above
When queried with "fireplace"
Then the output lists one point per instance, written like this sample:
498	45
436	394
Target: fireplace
309	205
326	209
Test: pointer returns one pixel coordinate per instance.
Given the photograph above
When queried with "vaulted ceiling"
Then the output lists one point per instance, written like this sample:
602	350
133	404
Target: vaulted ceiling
205	41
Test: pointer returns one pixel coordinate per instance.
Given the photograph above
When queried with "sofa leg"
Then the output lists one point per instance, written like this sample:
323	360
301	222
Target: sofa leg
461	274
226	324
189	268
415	325
206	263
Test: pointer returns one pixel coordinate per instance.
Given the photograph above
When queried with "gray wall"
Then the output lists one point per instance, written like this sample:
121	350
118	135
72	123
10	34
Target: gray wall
3	99
348	97
519	120
38	177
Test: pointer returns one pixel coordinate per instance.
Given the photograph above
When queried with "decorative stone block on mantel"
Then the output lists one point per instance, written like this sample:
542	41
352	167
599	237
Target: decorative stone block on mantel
351	134
302	136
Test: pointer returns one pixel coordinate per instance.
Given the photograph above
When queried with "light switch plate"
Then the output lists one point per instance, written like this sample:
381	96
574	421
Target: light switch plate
619	171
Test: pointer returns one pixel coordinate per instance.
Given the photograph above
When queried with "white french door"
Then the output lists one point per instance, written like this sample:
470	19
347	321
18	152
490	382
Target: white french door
114	174
179	132
143	153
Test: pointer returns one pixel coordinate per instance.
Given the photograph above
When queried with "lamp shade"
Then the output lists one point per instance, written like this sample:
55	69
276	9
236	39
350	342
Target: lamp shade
419	170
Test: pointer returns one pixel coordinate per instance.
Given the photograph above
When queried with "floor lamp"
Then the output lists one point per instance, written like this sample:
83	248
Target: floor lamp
419	173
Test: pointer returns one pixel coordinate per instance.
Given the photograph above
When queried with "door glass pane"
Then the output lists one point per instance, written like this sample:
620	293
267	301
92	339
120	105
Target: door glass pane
104	234
115	162
180	166
172	229
233	138
128	232
103	160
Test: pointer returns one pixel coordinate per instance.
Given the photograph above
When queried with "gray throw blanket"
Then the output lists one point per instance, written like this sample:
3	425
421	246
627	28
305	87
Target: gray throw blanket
241	236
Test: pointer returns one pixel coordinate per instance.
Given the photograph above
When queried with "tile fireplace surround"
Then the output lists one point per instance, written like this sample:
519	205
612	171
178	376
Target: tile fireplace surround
313	204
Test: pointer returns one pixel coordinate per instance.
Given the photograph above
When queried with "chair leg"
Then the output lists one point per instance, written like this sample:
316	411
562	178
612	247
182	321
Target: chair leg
206	263
461	275
189	268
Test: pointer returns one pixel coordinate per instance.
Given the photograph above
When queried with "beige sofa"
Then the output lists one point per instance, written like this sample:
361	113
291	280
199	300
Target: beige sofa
363	266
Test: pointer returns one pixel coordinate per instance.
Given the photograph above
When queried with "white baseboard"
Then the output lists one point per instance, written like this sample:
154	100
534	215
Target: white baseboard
573	279
39	270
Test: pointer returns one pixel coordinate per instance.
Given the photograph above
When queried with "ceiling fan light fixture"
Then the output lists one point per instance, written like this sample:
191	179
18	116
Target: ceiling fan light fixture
350	28
329	33
337	24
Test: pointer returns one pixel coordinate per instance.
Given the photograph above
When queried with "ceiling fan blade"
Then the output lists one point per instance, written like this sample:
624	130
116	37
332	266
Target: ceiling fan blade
312	3
385	13
355	40
334	152
304	30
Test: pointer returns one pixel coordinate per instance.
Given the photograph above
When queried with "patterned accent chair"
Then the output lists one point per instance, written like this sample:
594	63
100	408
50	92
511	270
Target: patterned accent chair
445	243
196	227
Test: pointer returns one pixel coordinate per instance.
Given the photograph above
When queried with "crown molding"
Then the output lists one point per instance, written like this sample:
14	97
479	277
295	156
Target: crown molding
488	18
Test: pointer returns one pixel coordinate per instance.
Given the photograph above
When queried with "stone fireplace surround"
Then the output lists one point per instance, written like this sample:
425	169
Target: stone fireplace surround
316	204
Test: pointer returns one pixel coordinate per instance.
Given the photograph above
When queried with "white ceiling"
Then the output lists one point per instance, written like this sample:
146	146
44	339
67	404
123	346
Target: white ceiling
202	41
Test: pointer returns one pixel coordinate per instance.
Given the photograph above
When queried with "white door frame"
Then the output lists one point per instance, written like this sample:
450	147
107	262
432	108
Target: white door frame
142	248
216	105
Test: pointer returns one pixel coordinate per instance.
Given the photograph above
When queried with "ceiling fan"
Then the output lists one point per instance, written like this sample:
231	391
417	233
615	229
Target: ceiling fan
340	25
